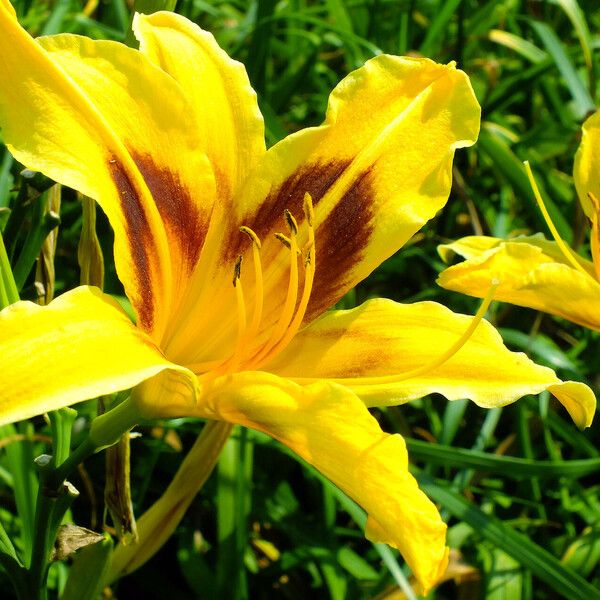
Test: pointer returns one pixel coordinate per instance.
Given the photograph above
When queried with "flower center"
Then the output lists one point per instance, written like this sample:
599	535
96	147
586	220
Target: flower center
246	355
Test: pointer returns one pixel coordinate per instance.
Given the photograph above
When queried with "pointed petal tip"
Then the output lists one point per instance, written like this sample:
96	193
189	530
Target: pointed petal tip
578	399
420	535
430	570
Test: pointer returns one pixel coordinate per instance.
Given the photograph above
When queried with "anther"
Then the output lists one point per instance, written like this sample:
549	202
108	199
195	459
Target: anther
309	212
291	222
251	235
237	269
284	239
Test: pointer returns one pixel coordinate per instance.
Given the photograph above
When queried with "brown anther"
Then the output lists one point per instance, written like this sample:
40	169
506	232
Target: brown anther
253	237
284	240
307	250
291	222
237	269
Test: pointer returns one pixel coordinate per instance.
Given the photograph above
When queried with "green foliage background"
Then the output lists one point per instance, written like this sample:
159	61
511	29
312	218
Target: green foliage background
519	486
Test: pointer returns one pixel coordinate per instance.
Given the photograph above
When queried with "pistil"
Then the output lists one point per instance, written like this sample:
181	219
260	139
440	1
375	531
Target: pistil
567	252
595	236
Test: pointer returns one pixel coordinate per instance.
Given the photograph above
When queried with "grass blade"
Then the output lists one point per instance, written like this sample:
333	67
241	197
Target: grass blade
508	466
542	564
583	101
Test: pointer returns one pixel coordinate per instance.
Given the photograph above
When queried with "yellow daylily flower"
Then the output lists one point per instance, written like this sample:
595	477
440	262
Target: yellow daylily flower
535	272
230	255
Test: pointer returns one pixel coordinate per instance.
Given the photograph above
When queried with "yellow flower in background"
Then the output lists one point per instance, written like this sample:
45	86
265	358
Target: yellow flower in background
230	255
535	272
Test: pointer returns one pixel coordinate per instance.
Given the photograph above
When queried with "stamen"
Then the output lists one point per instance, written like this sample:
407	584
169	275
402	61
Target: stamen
241	309
284	240
292	294
258	282
595	236
291	222
436	362
237	270
287	242
253	237
244	333
309	210
567	252
309	276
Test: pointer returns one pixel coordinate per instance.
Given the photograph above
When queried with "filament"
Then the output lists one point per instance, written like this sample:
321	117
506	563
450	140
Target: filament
309	276
291	297
595	237
436	362
258	282
567	252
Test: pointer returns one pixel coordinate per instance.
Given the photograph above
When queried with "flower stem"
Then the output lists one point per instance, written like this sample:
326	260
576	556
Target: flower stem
56	494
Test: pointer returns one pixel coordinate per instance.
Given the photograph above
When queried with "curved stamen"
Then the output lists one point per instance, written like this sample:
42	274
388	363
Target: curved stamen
567	252
309	276
212	369
292	295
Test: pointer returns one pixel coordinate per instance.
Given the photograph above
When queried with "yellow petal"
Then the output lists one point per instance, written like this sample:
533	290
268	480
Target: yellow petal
330	428
230	126
474	246
530	275
82	345
383	339
377	170
467	247
108	123
586	170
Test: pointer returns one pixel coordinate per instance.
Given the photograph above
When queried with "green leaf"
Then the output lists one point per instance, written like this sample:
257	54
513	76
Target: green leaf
511	167
583	555
583	101
511	467
438	25
562	580
20	457
503	575
541	347
234	476
356	565
524	47
577	18
86	576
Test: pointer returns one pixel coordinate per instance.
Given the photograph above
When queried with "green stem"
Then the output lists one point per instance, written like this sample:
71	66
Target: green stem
8	280
55	495
41	228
